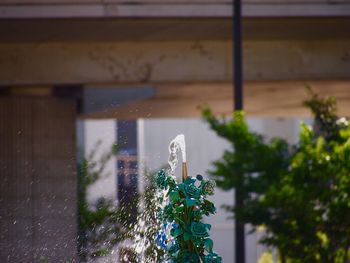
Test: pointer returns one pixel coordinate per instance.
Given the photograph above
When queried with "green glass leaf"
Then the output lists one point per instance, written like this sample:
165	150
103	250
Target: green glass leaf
197	214
198	242
209	207
191	191
198	229
187	256
175	232
189	180
190	201
208	244
212	257
208	226
174	196
174	248
161	179
207	187
180	209
187	236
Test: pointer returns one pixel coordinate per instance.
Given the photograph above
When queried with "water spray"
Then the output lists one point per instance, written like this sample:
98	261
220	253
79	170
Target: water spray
175	145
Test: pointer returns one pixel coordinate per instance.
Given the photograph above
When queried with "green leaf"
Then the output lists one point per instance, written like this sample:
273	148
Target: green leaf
187	236
208	207
115	148
208	244
208	226
189	180
294	191
180	209
175	232
174	196
190	201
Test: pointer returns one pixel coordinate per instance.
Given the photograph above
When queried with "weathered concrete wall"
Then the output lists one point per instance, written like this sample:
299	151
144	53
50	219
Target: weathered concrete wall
170	62
38	184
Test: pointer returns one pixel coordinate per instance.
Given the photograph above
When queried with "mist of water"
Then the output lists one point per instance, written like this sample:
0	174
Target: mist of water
150	224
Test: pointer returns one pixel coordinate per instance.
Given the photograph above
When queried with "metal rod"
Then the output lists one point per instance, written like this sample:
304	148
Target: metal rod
184	171
238	105
237	56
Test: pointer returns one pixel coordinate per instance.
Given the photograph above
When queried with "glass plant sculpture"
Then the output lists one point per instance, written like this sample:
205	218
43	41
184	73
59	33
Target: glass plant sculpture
185	237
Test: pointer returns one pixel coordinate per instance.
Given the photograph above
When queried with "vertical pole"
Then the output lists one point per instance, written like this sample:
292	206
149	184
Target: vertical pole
184	171
238	105
237	56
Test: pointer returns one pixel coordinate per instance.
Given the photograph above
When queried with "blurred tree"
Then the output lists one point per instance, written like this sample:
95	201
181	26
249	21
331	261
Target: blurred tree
299	193
101	224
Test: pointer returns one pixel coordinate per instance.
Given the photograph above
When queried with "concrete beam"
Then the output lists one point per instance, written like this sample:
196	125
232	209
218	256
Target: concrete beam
19	9
149	63
171	29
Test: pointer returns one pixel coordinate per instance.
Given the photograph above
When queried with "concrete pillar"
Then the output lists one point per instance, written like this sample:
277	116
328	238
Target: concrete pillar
38	183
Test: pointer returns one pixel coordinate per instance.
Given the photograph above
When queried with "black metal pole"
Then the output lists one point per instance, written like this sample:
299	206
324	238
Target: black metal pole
237	56
238	105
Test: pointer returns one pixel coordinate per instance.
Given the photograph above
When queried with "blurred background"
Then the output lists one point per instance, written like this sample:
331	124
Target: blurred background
79	76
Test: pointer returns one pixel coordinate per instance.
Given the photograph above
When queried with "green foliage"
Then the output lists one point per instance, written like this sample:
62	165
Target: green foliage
266	257
299	193
251	164
325	115
187	205
101	224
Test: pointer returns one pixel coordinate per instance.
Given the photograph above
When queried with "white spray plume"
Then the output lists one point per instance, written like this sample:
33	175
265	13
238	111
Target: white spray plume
179	142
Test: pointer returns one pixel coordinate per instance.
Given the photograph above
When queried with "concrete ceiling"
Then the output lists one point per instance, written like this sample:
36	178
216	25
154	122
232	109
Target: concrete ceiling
169	29
261	99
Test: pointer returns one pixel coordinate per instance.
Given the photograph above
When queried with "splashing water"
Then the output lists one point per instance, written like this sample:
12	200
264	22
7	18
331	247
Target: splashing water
151	235
175	145
147	241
